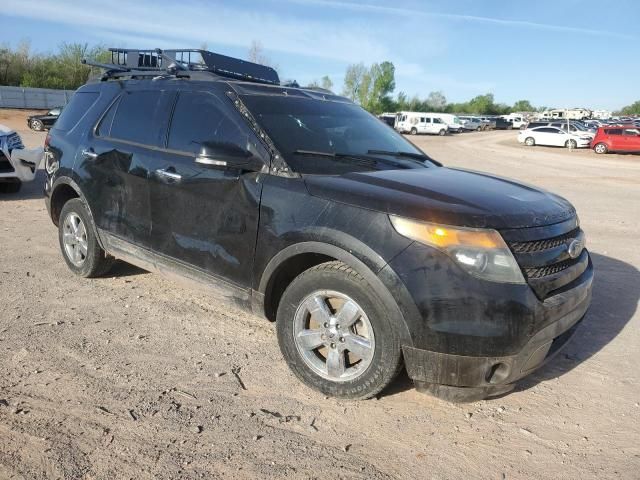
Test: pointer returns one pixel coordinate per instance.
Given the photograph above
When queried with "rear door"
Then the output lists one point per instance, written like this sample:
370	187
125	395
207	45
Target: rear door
206	216
125	143
616	142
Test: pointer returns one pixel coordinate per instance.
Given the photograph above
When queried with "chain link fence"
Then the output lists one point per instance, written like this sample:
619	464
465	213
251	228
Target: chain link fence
33	98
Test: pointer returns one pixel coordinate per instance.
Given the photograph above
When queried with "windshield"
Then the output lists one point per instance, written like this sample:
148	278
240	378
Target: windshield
301	126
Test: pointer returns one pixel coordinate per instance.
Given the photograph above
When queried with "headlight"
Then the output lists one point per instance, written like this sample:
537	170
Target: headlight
480	252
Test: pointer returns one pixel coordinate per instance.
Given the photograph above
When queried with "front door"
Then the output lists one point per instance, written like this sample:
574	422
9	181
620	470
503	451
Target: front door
206	216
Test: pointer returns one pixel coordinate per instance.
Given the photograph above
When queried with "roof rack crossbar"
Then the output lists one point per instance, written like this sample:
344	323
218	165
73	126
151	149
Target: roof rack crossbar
126	59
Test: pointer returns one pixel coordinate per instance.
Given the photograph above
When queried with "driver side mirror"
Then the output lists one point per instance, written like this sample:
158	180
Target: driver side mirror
227	155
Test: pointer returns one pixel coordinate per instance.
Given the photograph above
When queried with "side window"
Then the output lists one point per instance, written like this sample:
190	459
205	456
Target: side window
199	118
136	118
615	131
547	130
80	103
104	128
634	132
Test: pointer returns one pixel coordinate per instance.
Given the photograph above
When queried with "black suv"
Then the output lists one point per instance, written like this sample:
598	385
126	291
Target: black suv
303	208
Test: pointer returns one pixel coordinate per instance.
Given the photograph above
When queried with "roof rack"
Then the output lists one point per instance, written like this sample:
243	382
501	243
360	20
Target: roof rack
138	62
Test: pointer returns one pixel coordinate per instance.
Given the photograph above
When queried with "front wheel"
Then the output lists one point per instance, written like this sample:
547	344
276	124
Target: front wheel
78	242
414	131
529	141
442	132
601	148
571	144
336	335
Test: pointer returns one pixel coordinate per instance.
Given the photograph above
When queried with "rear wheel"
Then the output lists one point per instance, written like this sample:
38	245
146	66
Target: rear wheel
571	144
529	141
78	242
601	148
36	125
414	131
336	335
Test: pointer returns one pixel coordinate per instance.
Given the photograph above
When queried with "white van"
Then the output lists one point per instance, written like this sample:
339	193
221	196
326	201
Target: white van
518	121
420	122
452	121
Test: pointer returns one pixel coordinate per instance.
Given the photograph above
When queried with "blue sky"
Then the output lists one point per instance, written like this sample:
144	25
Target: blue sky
559	53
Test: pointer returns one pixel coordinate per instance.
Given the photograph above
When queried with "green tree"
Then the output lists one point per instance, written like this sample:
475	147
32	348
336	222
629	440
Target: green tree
353	79
326	83
436	101
523	106
370	87
482	104
633	109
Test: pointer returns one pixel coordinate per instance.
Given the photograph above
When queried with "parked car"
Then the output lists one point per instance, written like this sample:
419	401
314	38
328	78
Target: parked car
418	122
553	137
470	123
17	164
44	122
388	118
503	124
518	121
617	139
489	123
304	208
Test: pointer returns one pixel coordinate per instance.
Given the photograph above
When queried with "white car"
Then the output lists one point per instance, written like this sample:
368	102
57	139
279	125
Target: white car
17	164
552	136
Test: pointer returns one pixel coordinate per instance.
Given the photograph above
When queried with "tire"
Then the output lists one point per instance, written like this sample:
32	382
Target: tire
571	144
529	141
442	132
10	187
601	148
334	288
36	125
78	242
413	131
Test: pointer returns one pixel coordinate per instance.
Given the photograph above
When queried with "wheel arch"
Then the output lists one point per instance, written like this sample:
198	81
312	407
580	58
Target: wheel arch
290	262
63	190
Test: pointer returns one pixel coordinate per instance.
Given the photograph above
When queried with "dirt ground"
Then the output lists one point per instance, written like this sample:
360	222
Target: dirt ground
136	376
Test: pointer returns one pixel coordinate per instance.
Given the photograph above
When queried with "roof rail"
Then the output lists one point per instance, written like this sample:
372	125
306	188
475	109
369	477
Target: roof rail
156	61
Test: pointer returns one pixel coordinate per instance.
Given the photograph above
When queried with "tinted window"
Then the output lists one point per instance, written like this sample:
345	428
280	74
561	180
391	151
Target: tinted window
77	108
632	131
104	129
614	131
547	130
199	118
136	118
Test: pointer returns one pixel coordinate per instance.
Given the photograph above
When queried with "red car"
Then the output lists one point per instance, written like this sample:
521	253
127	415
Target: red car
624	138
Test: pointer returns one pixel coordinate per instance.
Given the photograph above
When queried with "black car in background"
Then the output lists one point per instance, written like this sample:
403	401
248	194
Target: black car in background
303	208
44	122
503	124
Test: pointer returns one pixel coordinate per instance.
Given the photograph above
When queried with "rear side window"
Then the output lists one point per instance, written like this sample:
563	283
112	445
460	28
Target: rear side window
614	131
77	108
547	130
199	118
136	118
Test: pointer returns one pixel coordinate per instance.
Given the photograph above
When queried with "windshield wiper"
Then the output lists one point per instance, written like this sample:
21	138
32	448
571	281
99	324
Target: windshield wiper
362	159
417	156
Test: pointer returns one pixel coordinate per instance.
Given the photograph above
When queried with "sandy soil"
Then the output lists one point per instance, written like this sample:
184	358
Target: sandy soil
135	376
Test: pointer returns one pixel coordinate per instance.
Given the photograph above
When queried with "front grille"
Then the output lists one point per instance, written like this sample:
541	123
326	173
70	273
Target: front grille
5	165
540	272
545	261
540	245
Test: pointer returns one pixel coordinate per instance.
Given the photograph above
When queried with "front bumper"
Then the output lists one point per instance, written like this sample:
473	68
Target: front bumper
480	376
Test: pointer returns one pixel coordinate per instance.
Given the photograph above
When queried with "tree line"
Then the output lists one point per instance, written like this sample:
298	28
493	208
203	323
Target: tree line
370	86
21	67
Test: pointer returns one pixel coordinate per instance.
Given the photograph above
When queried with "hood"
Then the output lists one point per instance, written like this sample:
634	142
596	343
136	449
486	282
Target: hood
445	195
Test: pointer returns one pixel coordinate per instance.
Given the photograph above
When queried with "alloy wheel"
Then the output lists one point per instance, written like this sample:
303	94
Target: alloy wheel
75	239
333	335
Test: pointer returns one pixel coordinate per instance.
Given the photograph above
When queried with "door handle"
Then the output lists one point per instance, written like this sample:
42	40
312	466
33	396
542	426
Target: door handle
167	174
89	153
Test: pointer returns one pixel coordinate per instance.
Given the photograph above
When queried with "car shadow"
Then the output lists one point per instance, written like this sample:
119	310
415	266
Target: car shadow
29	191
122	269
616	292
